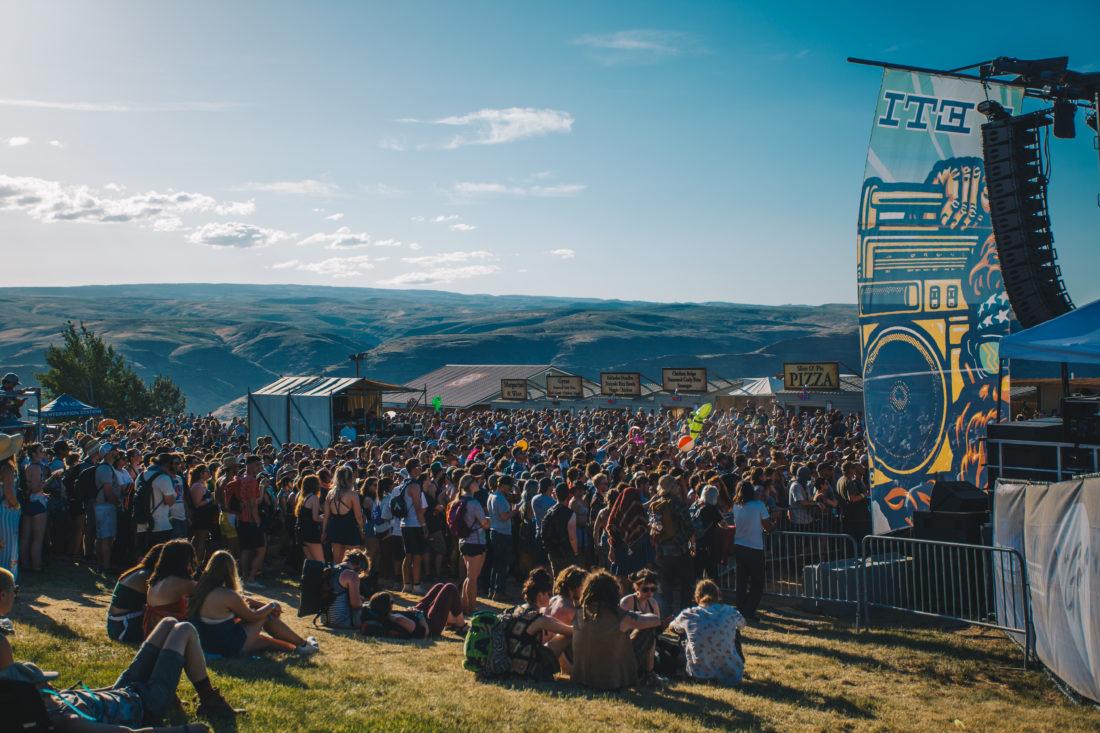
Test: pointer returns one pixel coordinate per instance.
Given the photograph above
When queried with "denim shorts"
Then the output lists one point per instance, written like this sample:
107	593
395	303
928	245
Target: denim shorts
106	521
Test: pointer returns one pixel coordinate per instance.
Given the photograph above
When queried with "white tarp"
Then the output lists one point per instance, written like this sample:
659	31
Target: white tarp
1060	529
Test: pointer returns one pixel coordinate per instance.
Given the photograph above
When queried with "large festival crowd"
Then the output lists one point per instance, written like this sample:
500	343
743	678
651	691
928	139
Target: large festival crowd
604	533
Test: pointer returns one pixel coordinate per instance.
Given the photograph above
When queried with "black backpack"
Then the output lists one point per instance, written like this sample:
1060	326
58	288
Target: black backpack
554	535
23	706
141	505
398	506
85	484
317	593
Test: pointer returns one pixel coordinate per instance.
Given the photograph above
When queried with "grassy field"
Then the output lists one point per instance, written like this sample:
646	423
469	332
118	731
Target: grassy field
804	673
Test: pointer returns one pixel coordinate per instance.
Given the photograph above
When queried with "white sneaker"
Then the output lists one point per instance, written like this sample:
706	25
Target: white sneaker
312	641
307	650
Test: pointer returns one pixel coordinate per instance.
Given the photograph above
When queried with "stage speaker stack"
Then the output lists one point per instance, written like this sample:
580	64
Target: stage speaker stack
957	511
1081	416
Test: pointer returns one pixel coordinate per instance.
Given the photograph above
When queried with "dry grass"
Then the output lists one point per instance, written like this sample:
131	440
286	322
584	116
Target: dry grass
804	673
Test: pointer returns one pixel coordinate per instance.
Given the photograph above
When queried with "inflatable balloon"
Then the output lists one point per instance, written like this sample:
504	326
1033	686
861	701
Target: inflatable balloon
106	423
686	443
522	444
437	403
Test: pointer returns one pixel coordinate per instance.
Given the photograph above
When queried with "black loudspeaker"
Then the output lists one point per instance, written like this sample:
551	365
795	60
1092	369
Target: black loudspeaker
958	496
1016	185
1082	419
965	527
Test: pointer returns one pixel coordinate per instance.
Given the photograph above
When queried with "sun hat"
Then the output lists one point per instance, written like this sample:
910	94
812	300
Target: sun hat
10	445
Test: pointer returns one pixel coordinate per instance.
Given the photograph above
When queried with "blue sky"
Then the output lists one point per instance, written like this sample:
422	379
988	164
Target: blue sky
687	151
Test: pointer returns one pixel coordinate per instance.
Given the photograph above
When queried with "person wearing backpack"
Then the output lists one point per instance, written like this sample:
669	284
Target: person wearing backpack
468	522
153	493
409	505
672	532
558	531
106	506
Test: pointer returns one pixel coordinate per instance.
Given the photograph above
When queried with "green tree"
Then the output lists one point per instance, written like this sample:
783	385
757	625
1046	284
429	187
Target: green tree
165	397
90	369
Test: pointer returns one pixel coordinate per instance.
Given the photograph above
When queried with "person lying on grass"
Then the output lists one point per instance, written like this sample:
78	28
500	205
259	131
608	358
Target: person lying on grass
230	624
439	609
143	693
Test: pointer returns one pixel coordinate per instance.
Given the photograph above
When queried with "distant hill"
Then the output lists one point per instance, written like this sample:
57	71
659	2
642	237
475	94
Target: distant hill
217	341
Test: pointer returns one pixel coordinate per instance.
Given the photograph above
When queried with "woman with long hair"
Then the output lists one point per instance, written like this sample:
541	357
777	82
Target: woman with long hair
603	654
127	607
627	533
642	601
750	518
471	543
170	583
204	510
231	625
308	517
343	527
368	499
33	535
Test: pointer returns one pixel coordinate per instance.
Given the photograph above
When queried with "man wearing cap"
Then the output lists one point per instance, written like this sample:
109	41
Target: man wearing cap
106	506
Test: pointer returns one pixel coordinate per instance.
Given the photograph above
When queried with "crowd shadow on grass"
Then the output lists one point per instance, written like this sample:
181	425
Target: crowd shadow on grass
269	667
37	618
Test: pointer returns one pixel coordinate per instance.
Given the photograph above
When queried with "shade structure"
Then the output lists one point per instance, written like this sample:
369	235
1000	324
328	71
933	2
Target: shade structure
1073	338
66	406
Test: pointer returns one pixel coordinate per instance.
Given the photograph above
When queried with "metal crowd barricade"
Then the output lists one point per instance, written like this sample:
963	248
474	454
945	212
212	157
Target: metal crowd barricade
975	584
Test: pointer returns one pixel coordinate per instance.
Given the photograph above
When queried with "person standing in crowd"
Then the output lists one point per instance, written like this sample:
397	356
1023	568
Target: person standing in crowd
309	518
160	493
802	504
855	511
672	532
559	531
751	519
343	522
106	506
243	493
204	511
36	475
471	543
412	529
500	537
10	445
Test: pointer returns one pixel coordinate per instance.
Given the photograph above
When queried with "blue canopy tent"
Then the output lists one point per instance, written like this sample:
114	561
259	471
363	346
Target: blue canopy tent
1070	338
67	407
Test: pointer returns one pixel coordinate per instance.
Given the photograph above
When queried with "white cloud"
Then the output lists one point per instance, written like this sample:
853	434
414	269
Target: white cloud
380	189
118	106
335	217
446	257
462	227
342	238
417	218
56	144
565	254
169	224
446	217
496	126
637	46
305	187
338	267
18	141
238	235
439	275
52	201
469	189
414	246
390	243
391	144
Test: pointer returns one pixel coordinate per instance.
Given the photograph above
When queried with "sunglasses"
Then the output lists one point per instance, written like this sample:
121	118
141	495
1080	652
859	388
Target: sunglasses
648	589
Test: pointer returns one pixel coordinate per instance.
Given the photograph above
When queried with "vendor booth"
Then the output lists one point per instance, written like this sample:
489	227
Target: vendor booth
316	410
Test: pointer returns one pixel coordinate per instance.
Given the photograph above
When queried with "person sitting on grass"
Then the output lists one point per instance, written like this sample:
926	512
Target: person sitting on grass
712	645
143	693
642	601
346	609
531	657
439	609
171	582
127	608
230	624
603	653
567	594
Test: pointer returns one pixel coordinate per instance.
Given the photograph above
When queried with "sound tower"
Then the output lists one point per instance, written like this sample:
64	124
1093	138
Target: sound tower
1017	190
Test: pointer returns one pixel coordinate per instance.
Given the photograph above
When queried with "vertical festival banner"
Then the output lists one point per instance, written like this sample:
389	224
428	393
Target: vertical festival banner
932	305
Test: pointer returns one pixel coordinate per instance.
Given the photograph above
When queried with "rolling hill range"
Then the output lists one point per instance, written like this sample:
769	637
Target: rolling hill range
217	341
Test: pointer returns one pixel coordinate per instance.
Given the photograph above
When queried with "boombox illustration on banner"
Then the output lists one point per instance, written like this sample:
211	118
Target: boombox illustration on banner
932	311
